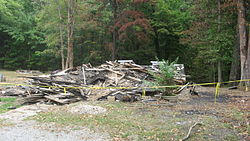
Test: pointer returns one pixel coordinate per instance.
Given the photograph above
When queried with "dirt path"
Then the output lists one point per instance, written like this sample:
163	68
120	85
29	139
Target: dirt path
227	119
27	130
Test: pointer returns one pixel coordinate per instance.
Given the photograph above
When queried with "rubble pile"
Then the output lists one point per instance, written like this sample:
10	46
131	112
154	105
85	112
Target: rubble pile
85	83
113	81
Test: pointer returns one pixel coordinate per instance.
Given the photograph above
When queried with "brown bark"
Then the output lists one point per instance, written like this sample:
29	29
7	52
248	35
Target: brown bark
243	35
70	55
157	43
235	66
61	35
247	63
219	64
114	34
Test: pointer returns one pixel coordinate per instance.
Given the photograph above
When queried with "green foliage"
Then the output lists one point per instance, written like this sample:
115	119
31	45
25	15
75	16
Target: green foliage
166	72
212	40
30	33
165	76
21	39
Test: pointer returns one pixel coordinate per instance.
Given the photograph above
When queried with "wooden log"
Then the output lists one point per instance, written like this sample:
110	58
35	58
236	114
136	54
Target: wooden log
84	76
136	67
31	99
121	69
110	63
182	88
50	81
57	100
129	77
62	73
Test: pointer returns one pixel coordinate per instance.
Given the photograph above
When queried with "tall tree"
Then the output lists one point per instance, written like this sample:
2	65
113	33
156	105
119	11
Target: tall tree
71	24
235	65
219	28
244	40
114	4
59	9
243	35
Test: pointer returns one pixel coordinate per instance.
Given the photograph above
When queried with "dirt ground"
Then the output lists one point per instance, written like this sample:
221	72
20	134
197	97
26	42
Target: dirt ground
232	110
227	119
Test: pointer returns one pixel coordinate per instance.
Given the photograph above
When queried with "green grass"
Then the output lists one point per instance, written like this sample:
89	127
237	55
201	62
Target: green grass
136	121
122	121
7	99
213	129
7	102
239	117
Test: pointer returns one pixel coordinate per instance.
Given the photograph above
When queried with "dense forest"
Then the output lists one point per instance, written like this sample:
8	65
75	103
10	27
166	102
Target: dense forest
210	37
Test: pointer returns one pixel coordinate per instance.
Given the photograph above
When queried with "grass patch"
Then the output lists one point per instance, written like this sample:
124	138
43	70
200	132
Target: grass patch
238	119
213	129
7	102
124	121
13	77
237	115
7	99
136	121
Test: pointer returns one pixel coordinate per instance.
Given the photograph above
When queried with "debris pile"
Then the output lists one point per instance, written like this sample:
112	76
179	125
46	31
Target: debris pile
84	83
28	72
87	83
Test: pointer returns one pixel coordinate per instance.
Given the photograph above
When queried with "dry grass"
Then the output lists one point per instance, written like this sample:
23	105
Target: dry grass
138	121
13	77
3	123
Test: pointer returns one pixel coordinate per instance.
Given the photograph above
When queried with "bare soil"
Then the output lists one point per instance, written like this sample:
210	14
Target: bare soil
232	108
226	119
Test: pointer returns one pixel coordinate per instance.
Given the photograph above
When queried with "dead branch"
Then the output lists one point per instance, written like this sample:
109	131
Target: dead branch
190	129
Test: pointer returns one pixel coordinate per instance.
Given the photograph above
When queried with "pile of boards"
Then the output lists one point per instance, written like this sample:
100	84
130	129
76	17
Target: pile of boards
109	81
113	81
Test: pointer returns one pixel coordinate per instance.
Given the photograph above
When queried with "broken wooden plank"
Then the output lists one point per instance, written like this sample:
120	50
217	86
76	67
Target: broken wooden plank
129	77
55	99
84	76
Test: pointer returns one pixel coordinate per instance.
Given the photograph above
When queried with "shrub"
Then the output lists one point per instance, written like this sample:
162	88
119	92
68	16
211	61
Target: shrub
163	77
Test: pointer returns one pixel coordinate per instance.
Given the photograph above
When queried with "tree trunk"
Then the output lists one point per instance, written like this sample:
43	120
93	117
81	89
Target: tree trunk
157	44
247	64
114	34
235	66
61	35
62	48
243	35
70	55
219	71
219	29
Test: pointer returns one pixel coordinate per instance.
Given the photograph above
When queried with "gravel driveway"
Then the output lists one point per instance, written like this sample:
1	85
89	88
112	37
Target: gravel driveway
34	131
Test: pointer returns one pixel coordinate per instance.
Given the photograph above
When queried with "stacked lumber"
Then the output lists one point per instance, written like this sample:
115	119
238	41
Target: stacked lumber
109	81
116	81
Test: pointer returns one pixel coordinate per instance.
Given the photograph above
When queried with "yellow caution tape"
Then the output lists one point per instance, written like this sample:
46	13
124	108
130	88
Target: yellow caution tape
216	92
143	88
151	87
144	92
65	91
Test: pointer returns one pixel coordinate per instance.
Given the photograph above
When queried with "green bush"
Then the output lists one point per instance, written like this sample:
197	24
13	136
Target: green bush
165	77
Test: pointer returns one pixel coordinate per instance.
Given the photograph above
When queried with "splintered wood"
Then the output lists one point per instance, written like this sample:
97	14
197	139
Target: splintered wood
86	83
